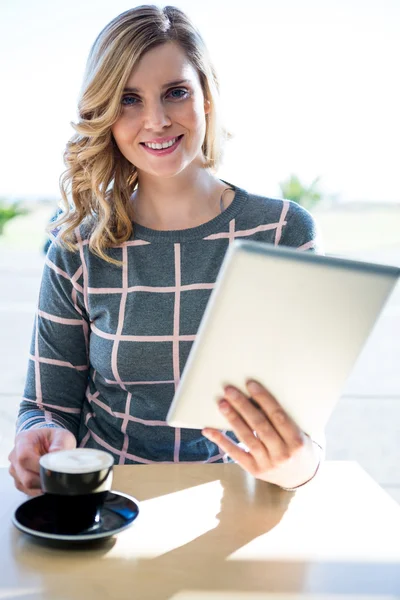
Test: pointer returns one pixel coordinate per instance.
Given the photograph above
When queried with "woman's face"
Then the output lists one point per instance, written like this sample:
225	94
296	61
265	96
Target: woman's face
162	104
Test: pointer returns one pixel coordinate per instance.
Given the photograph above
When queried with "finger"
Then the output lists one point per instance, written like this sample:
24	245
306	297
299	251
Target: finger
19	486
258	422
288	430
245	434
29	480
33	492
22	488
243	458
26	465
11	470
61	439
27	456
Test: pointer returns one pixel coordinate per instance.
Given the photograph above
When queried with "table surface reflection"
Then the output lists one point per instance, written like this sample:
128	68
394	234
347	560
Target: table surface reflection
212	532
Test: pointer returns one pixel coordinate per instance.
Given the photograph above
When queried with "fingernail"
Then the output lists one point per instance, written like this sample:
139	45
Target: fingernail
208	433
231	392
254	387
223	405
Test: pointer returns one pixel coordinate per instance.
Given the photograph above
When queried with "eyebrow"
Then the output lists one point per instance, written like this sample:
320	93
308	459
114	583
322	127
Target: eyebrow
166	85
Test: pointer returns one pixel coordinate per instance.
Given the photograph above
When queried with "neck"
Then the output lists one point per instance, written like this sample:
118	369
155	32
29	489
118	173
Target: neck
189	199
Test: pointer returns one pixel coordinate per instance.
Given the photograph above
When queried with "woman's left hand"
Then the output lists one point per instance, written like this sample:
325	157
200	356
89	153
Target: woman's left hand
278	450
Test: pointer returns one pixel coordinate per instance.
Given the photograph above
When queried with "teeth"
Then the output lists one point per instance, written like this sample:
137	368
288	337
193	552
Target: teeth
161	146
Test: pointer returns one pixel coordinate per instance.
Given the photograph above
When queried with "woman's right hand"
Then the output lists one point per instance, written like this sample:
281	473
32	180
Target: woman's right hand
30	445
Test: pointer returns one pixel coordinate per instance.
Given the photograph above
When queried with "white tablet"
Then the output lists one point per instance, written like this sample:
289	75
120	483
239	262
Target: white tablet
294	321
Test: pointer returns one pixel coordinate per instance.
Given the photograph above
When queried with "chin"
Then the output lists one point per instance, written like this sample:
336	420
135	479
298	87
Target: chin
166	172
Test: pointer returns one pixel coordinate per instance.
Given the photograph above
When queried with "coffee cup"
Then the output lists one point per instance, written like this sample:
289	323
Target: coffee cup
76	483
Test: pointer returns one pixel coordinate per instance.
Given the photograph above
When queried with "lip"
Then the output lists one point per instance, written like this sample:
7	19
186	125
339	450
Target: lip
160	140
165	150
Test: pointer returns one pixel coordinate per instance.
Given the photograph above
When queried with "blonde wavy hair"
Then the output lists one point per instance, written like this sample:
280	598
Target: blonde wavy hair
98	178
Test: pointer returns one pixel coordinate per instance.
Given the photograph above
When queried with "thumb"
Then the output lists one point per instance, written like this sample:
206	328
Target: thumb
61	439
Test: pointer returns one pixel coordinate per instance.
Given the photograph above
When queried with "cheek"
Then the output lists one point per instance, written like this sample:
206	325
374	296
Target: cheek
123	129
192	112
200	116
200	119
192	118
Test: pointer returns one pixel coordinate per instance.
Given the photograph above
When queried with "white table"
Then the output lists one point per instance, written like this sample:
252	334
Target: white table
210	532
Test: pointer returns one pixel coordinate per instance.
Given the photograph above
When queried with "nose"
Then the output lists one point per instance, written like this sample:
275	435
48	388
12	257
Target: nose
155	116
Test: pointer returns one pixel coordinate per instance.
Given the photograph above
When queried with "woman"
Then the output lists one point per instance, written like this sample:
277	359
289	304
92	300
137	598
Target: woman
139	247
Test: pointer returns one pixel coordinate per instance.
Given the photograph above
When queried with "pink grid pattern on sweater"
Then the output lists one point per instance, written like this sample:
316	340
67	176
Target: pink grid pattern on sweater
177	289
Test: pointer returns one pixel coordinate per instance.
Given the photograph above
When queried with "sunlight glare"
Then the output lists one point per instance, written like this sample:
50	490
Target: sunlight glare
168	522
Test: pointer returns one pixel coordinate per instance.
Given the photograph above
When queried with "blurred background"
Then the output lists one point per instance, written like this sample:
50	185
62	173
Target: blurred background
310	90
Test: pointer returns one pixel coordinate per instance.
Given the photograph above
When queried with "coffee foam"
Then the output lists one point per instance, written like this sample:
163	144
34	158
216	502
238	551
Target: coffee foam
79	460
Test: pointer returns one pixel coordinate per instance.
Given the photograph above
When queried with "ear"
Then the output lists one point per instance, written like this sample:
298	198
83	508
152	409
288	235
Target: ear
207	106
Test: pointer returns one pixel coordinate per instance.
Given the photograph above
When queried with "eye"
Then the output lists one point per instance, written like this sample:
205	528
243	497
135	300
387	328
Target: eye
131	100
178	93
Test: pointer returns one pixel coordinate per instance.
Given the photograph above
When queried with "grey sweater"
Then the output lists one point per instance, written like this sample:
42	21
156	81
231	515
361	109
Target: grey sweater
109	343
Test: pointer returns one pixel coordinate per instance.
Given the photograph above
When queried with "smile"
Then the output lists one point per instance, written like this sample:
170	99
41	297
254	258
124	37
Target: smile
162	149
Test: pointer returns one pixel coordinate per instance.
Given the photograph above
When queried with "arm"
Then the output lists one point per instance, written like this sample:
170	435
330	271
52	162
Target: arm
58	363
49	415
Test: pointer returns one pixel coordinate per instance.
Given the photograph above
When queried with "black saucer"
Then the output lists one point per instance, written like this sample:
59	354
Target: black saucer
36	517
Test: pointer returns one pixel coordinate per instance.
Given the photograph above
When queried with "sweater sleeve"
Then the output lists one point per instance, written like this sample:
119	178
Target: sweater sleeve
301	230
58	362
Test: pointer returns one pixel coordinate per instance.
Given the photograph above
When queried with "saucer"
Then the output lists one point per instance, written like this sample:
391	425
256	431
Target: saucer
36	517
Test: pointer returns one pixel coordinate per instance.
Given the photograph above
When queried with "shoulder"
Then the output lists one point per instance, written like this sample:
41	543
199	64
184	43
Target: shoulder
298	228
298	218
281	207
301	230
266	204
60	257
